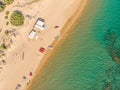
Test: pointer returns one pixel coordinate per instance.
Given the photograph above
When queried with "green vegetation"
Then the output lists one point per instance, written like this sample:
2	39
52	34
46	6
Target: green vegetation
6	32
17	18
3	46
6	17
2	7
7	13
8	2
7	23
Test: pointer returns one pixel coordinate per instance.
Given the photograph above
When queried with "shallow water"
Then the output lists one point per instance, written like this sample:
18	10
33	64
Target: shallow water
85	59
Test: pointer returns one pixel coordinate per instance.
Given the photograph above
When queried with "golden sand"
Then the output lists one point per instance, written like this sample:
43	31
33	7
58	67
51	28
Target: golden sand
64	13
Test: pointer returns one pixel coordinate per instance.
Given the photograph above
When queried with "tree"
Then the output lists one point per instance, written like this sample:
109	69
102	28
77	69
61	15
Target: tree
17	18
2	7
3	46
8	2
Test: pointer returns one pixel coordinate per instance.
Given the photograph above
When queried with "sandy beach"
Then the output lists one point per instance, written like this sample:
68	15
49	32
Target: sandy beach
23	57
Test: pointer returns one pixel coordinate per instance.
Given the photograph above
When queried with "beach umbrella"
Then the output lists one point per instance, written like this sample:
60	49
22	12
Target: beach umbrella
18	85
30	74
56	27
24	77
42	50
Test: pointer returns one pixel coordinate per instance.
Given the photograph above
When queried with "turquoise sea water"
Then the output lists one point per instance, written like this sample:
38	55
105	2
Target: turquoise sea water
88	59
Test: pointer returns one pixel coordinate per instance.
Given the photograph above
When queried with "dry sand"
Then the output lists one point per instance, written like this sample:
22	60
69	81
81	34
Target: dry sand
54	12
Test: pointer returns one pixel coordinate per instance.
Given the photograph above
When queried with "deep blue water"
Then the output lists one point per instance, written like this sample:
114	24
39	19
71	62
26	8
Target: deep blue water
89	57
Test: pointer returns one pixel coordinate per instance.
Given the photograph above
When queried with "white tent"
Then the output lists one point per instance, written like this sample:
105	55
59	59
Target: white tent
32	34
40	24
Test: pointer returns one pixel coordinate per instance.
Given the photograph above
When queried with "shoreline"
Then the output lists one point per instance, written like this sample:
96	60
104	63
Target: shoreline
20	68
69	25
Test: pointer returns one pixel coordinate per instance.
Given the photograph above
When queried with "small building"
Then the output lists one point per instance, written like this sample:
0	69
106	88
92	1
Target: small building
40	24
32	34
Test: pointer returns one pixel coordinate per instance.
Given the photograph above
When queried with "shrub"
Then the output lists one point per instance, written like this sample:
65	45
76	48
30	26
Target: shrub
17	19
6	17
2	7
7	23
3	46
7	13
8	2
6	32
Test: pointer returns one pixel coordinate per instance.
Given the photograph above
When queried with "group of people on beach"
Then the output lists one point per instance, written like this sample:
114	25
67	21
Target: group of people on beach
18	86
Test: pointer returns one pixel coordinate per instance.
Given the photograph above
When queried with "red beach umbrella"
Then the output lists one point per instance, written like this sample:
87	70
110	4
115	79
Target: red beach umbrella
30	74
42	50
